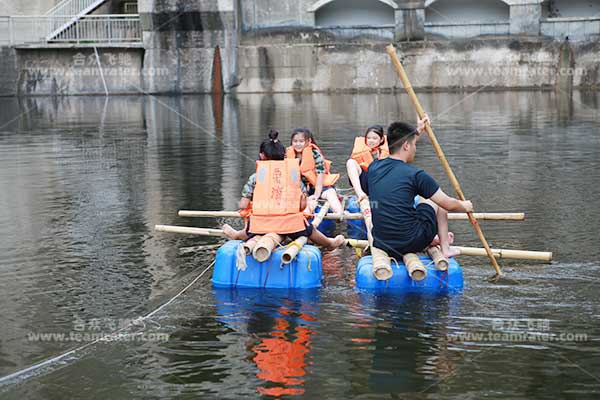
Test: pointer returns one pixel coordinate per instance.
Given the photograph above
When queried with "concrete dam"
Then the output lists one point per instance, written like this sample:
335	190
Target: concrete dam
75	47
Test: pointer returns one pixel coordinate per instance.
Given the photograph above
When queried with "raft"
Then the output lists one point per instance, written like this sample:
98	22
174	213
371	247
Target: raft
435	281
305	271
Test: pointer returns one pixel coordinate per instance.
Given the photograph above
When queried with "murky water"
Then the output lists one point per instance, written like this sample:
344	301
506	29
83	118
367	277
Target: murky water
85	179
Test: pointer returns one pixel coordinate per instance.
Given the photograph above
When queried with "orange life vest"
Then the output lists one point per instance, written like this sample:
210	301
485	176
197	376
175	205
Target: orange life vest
276	198
307	165
362	154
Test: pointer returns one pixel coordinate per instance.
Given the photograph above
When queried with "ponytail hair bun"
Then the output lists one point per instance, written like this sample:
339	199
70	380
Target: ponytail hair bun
273	135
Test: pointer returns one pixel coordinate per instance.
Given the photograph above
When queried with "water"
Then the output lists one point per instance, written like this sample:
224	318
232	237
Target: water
85	179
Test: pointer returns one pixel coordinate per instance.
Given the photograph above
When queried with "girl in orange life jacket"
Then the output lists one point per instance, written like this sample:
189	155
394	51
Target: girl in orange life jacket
314	168
271	149
368	148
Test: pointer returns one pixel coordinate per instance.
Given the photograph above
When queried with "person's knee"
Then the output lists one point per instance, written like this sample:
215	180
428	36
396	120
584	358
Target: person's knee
431	203
329	194
351	164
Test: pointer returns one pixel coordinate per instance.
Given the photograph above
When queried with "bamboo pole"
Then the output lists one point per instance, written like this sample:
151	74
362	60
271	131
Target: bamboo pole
195	214
190	230
414	266
488	216
381	264
504	253
294	248
441	263
477	251
265	246
391	50
250	244
356	216
451	216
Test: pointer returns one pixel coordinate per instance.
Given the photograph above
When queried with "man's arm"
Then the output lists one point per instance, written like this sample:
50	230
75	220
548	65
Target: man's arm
450	203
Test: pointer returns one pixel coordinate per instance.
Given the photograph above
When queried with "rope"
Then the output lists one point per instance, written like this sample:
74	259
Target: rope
429	264
30	371
293	243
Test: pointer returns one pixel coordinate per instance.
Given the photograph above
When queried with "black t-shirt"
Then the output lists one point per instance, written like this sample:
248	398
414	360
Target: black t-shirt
392	186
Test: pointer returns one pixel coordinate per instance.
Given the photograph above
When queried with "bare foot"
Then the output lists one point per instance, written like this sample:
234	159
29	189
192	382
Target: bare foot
337	241
450	238
229	232
450	252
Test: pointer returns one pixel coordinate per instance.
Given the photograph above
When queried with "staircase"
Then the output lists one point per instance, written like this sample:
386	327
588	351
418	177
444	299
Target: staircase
66	13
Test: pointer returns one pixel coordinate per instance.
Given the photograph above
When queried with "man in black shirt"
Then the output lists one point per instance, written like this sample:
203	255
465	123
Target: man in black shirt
399	227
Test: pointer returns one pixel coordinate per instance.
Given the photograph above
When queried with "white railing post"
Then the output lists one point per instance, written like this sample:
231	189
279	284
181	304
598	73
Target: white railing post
11	31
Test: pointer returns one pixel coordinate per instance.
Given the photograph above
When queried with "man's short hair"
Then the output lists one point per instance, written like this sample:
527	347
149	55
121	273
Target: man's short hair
398	134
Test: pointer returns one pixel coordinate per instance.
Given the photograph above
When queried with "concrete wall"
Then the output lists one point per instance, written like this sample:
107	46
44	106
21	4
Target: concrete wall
111	7
182	39
75	71
455	11
8	71
257	14
572	8
29	7
354	12
490	64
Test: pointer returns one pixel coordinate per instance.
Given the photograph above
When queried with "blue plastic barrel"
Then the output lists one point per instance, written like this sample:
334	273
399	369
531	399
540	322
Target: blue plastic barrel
435	281
304	272
356	227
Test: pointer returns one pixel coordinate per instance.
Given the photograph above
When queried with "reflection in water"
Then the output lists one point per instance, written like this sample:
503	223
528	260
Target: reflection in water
279	324
408	340
282	358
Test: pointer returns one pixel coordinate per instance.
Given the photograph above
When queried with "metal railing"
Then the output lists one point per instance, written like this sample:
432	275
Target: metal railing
72	7
467	29
576	28
121	28
117	28
67	12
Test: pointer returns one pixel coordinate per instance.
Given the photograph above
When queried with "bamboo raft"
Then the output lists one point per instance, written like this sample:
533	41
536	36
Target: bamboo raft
250	264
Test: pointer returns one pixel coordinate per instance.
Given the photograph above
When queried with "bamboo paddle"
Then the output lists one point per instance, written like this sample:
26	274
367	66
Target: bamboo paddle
391	50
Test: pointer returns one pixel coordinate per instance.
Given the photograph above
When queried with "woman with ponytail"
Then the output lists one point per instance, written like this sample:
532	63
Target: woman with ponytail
276	197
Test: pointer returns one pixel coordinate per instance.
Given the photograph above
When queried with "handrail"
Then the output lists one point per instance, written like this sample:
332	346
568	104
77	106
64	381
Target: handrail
71	7
108	28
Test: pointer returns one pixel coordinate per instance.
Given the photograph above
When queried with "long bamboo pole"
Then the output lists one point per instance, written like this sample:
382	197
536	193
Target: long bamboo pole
504	253
484	216
391	50
189	230
477	251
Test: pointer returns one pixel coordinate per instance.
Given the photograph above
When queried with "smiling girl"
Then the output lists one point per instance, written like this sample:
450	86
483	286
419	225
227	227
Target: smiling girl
314	168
